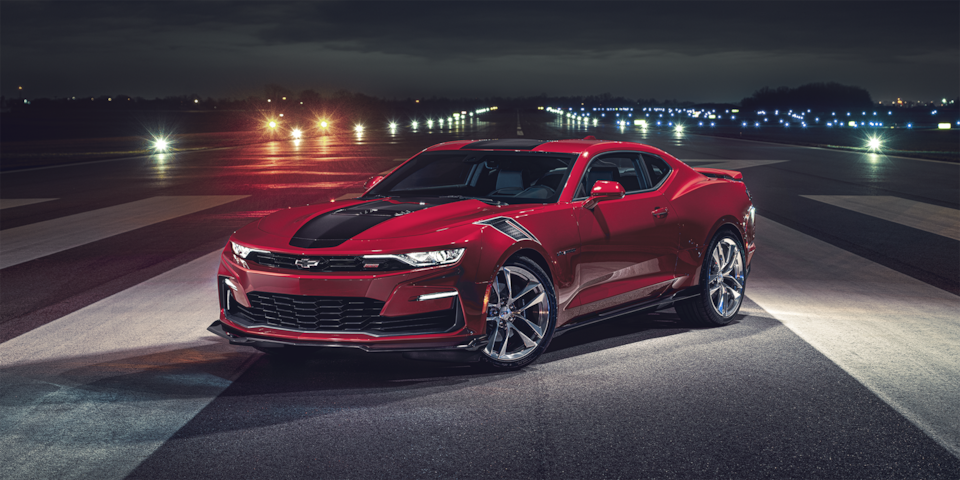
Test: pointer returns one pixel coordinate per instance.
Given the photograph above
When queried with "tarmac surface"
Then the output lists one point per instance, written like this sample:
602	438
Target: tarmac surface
844	361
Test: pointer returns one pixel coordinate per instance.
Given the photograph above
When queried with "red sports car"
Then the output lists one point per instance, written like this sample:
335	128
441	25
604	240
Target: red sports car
483	251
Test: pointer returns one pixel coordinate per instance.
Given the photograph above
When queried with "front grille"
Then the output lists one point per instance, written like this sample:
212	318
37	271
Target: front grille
346	263
338	314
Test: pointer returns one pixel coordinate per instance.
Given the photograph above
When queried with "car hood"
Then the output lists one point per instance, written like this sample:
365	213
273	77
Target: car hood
329	225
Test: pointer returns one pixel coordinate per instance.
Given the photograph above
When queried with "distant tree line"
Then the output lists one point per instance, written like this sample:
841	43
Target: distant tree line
279	99
812	95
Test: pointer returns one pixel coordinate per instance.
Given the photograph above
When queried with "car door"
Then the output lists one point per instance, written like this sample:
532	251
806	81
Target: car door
628	246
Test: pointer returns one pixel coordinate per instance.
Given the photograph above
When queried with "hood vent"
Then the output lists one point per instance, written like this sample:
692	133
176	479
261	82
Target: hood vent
509	227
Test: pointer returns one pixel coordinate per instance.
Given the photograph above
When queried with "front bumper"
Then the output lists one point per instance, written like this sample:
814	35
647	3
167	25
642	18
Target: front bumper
396	296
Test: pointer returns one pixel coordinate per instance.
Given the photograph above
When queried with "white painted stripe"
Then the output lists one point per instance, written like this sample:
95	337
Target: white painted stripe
732	164
93	394
29	242
922	216
19	202
897	335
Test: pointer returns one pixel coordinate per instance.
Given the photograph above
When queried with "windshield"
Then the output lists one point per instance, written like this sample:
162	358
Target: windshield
503	177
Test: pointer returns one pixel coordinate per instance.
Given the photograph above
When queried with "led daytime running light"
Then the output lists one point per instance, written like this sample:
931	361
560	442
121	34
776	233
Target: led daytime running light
424	259
242	251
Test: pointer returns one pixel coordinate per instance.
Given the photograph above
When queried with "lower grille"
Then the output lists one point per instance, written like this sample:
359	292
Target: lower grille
335	314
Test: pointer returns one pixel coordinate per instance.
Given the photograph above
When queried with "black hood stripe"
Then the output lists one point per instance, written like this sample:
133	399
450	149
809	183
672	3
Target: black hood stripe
333	228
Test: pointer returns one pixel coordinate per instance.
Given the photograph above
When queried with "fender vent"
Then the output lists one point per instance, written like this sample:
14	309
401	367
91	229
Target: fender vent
509	227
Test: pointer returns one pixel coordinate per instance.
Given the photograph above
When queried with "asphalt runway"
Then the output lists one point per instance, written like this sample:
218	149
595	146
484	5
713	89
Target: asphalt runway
844	362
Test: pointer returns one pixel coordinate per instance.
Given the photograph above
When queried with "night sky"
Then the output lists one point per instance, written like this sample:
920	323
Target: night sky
713	51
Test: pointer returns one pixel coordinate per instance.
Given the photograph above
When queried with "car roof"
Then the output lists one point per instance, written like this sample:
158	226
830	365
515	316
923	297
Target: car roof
574	146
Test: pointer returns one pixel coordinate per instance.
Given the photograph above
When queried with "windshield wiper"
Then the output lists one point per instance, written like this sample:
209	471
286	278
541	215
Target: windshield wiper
484	200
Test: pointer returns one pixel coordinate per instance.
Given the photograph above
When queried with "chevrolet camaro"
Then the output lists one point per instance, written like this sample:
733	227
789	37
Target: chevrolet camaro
484	251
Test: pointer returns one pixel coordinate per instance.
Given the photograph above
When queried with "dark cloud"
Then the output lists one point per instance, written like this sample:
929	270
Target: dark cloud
696	50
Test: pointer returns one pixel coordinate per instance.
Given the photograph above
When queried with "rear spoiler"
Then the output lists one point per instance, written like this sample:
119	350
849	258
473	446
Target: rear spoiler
718	173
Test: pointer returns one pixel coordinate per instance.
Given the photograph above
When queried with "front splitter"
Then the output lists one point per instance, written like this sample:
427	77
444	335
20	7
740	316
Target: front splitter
468	351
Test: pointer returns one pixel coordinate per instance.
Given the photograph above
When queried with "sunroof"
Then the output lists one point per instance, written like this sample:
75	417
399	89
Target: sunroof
505	144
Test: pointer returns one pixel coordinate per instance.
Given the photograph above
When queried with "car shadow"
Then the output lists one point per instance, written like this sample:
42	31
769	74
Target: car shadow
285	389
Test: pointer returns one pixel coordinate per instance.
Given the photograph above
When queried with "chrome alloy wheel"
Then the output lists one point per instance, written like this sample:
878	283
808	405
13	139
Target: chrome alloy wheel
725	278
518	314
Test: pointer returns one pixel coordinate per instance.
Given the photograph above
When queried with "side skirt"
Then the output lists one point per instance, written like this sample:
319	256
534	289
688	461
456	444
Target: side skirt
649	306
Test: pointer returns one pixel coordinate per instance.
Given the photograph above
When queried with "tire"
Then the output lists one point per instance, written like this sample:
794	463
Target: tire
521	318
723	284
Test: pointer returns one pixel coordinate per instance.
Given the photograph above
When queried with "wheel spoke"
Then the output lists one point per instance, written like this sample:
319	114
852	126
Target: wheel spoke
493	340
529	288
496	288
527	342
716	259
536	328
732	261
506	279
536	300
506	339
735	282
733	294
714	289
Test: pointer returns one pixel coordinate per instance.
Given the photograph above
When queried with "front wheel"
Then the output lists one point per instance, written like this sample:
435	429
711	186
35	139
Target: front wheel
521	315
723	284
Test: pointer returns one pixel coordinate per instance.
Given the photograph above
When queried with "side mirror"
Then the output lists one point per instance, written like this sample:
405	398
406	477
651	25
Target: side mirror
604	190
372	182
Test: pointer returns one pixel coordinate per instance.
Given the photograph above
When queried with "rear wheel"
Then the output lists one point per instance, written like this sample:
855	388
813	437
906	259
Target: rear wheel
521	316
723	284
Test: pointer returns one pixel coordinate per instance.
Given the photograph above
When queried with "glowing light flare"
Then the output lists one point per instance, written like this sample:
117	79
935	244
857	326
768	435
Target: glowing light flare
413	125
358	128
160	144
874	143
272	124
296	133
323	124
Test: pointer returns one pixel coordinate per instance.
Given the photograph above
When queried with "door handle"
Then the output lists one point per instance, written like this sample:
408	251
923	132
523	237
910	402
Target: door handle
660	212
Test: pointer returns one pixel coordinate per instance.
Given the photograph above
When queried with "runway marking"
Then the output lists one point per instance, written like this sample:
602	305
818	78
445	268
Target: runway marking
732	164
20	202
94	393
922	216
897	335
519	130
29	242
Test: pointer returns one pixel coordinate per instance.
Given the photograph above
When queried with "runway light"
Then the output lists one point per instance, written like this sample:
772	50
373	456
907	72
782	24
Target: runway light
679	129
296	133
413	125
393	126
874	144
160	145
358	128
272	124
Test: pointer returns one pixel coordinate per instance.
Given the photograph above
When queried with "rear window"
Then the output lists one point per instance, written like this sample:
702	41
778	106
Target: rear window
657	168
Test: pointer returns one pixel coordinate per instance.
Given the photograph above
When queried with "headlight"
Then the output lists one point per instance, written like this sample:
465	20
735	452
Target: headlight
242	251
425	259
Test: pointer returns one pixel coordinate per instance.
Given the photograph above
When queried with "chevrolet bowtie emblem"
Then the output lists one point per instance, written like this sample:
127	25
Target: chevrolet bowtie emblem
306	263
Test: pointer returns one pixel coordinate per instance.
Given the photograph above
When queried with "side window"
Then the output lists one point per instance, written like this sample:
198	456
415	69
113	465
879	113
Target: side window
617	167
657	168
